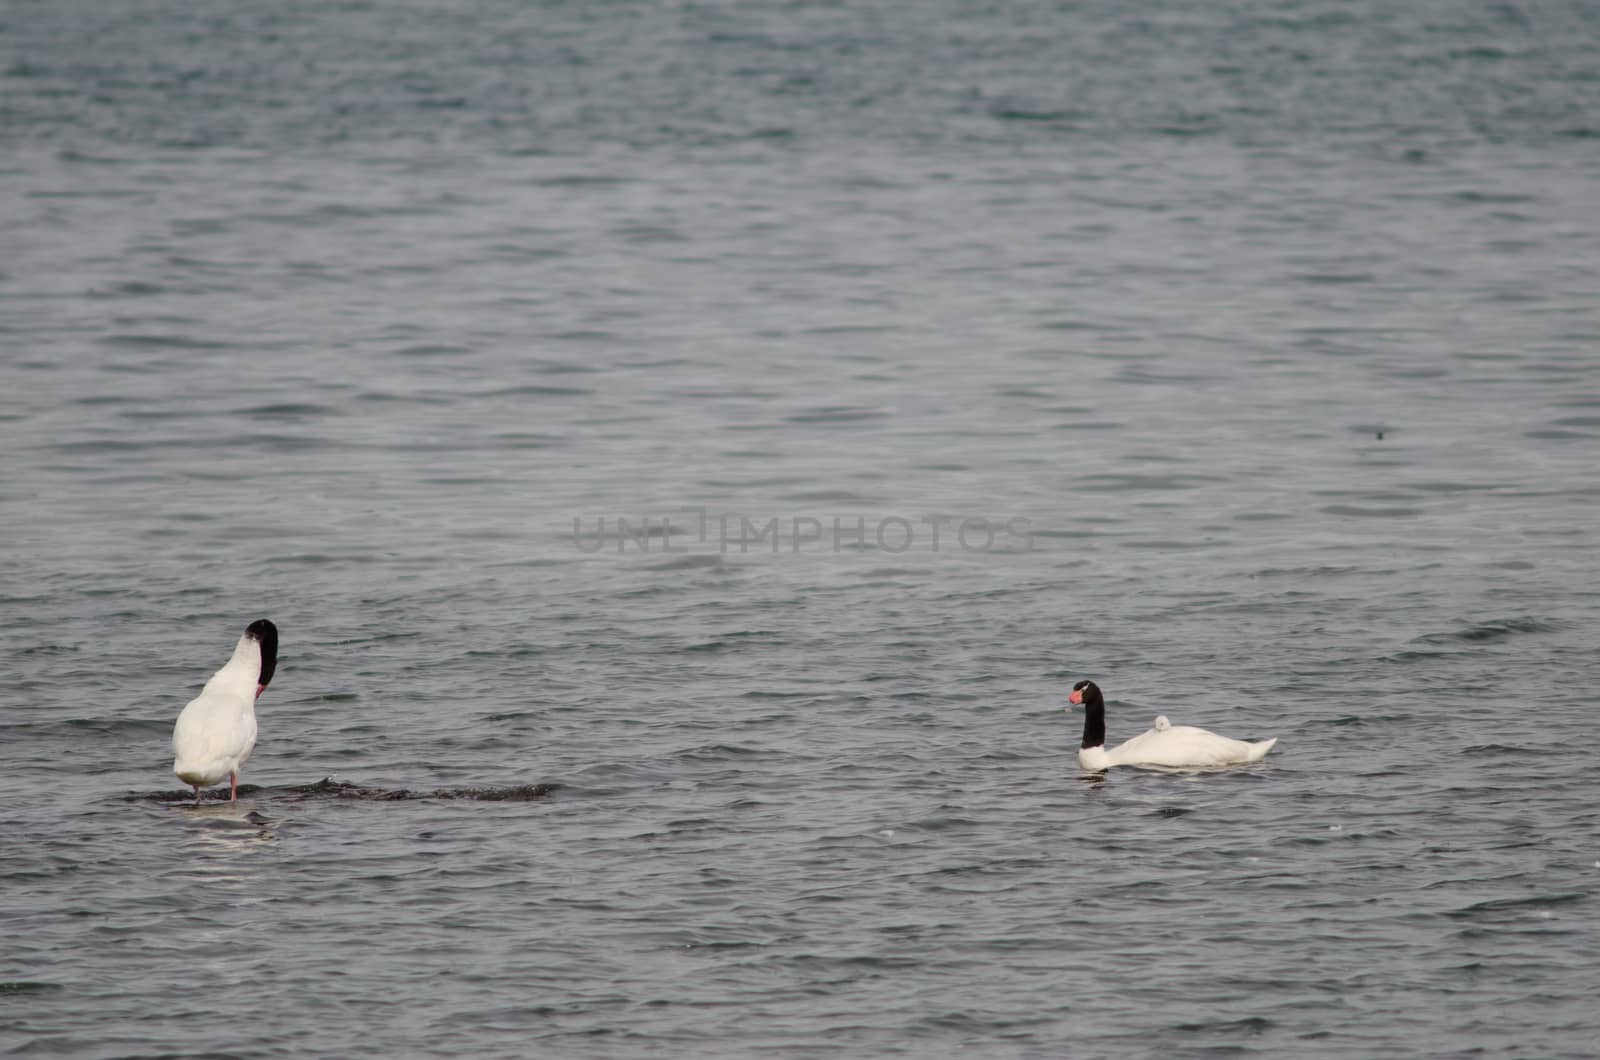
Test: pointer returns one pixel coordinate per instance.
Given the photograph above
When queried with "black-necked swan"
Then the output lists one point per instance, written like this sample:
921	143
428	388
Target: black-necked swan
1165	745
216	732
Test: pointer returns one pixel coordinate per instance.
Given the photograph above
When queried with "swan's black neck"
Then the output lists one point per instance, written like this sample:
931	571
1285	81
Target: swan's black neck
1094	718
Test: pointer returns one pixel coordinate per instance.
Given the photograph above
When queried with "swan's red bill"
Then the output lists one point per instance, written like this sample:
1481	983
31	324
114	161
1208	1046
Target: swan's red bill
1076	697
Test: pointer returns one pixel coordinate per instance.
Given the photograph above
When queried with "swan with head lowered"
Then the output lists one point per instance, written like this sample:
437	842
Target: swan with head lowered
1164	746
216	732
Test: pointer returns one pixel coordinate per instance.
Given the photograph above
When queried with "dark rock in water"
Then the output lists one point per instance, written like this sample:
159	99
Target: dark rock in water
340	790
207	795
331	788
520	793
327	787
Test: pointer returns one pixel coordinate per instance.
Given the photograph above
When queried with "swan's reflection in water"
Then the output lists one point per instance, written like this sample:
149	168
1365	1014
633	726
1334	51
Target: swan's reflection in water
229	831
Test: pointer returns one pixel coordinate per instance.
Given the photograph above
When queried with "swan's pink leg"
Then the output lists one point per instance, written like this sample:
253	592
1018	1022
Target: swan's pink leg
233	787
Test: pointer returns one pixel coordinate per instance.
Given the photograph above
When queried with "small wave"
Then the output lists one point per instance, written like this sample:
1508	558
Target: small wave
432	350
1112	483
733	640
129	289
1090	425
836	414
581	180
291	410
1247	1025
139	340
1475	198
1501	905
1334	277
529	440
1418	656
1452	487
75	727
1306	572
826	496
1026	113
538	390
693	562
719	751
1371	513
1139	374
1497	629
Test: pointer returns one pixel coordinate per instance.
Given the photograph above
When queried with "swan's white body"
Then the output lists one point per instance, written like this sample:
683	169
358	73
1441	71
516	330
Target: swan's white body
1164	746
1175	747
216	732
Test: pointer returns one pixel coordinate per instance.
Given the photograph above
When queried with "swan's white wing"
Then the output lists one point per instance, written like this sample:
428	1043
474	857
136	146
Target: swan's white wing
213	737
1183	746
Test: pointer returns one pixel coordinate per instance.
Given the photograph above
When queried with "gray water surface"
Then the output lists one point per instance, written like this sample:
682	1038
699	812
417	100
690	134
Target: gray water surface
1244	358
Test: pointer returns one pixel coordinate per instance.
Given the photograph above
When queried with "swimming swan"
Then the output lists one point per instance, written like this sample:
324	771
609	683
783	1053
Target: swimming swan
1167	745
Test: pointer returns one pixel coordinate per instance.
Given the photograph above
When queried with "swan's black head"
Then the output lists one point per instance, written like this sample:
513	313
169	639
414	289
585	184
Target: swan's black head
266	634
1094	712
1086	692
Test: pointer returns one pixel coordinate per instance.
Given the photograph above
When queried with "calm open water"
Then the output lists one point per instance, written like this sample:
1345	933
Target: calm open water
1245	358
